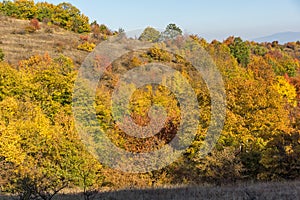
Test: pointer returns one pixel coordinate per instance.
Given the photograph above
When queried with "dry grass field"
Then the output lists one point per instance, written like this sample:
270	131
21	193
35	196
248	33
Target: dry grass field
265	191
259	191
18	45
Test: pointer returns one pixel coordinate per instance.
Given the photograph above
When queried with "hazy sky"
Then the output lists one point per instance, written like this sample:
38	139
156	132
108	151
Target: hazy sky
211	19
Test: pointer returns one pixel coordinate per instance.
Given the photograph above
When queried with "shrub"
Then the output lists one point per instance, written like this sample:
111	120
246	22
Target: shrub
104	37
220	167
48	30
86	46
59	47
29	29
136	62
1	55
84	38
35	24
20	32
159	54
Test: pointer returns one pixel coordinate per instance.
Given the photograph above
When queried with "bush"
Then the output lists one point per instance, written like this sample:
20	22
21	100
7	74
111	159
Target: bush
159	54
220	167
84	38
29	29
86	46
150	34
1	55
35	24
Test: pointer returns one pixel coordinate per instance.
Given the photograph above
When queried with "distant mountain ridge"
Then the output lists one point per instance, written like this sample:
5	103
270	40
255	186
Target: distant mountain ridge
283	37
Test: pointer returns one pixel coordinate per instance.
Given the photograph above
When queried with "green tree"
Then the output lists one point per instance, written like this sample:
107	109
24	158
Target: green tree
10	9
23	9
259	50
241	51
150	34
45	11
171	32
70	18
282	63
26	8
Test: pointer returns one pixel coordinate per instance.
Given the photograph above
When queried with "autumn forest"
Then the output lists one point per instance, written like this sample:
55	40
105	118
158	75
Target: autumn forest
42	154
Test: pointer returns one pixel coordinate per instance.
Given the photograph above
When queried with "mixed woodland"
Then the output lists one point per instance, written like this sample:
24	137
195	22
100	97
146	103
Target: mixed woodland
42	154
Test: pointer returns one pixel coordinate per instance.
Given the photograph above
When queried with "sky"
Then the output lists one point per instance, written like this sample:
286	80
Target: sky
211	19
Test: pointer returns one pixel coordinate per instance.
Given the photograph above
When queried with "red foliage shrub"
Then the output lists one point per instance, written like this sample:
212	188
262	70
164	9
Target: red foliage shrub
35	24
84	38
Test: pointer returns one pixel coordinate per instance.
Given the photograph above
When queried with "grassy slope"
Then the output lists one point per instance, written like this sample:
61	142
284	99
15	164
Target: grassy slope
18	46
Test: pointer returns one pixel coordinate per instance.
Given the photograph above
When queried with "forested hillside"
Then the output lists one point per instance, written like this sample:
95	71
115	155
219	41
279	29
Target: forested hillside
43	45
